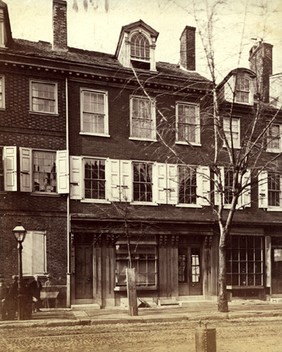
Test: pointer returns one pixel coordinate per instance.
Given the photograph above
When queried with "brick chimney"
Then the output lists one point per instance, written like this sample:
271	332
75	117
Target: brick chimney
260	58
187	48
60	35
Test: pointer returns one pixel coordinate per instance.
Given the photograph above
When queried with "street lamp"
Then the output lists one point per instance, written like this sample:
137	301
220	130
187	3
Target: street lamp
19	232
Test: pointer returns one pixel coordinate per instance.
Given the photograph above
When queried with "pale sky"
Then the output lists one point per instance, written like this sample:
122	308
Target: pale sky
237	22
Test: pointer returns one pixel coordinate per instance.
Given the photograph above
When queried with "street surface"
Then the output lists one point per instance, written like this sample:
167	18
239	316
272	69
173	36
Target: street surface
238	335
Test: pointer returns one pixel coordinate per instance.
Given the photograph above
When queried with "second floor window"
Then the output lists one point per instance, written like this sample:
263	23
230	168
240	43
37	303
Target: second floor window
94	112
44	172
232	131
142	182
188	123
274	189
242	93
187	185
228	186
43	97
1	170
2	92
140	48
142	113
94	179
273	138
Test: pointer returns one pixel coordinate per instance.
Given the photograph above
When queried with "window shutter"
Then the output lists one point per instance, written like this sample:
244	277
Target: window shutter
38	253
268	261
172	183
62	164
26	169
75	177
263	190
245	198
126	180
10	168
160	183
218	182
112	180
203	185
27	254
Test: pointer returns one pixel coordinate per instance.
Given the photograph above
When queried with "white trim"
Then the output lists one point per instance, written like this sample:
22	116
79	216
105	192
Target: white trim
2	77
94	134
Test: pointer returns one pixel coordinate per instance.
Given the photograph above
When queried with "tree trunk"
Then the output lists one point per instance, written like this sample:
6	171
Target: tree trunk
222	291
131	292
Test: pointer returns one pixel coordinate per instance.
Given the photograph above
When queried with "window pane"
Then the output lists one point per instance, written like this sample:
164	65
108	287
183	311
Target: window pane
187	185
188	123
274	190
141	118
94	179
93	112
140	48
142	182
44	172
43	96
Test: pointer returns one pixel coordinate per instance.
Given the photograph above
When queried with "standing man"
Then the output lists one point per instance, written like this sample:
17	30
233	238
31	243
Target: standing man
36	287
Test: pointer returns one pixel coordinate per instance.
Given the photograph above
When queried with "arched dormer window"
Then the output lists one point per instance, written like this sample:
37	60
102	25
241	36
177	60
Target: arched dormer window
140	47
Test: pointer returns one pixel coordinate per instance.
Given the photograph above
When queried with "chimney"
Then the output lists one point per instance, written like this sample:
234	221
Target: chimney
187	48
60	35
260	58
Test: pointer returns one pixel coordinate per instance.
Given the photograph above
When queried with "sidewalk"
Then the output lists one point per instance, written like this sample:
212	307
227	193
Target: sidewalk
191	311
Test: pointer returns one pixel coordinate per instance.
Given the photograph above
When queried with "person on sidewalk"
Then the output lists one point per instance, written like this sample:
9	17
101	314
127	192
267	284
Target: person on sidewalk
47	287
36	287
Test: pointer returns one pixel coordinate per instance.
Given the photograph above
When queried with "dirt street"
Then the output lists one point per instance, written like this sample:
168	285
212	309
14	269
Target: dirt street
240	335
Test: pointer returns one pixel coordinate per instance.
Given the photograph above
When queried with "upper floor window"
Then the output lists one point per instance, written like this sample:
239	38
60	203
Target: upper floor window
273	138
140	47
94	112
231	127
142	117
44	97
242	90
44	171
274	189
142	182
1	170
187	185
187	123
2	92
34	253
94	179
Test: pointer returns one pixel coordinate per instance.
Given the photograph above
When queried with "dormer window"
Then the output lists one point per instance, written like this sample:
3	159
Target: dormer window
242	91
140	48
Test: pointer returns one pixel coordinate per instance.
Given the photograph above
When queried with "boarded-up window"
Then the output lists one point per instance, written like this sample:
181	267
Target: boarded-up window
34	253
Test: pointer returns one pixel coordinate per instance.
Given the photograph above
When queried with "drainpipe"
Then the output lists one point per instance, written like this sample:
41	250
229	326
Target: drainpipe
68	301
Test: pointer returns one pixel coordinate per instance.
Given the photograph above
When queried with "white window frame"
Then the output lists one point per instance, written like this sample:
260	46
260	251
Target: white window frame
2	30
228	133
271	138
197	124
239	89
49	83
105	114
2	91
34	258
152	106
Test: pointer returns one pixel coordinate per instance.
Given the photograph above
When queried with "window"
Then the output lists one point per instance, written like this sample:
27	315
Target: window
94	112
187	185
228	186
188	123
2	92
142	115
44	97
2	30
274	189
142	182
245	261
44	172
273	138
34	253
1	170
144	260
140	48
232	131
242	94
94	179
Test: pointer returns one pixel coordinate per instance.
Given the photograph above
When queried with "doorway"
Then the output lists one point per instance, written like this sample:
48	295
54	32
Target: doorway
276	268
83	271
189	271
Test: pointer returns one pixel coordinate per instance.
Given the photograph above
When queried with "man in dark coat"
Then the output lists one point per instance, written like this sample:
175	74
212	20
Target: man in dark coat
36	287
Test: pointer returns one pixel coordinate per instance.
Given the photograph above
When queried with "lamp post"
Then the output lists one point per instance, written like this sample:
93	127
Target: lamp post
19	232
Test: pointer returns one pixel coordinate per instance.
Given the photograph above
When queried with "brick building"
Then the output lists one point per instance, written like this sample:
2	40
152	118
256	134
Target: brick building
95	151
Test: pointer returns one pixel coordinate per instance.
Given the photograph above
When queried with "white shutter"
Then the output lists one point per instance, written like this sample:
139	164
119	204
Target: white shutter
263	190
160	185
218	182
172	183
268	261
112	180
27	254
38	253
245	198
75	177
126	180
10	168
26	169
203	185
62	164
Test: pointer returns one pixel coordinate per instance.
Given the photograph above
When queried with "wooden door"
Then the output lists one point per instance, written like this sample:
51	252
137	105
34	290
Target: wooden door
189	271
276	269
83	271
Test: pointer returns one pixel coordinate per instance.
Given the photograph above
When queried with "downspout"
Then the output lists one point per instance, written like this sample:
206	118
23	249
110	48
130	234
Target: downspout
68	298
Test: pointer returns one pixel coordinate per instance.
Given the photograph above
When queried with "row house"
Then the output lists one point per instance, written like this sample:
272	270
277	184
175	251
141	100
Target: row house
107	157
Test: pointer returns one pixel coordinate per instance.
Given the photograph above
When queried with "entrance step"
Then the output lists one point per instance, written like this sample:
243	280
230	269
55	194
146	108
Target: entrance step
168	302
81	307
